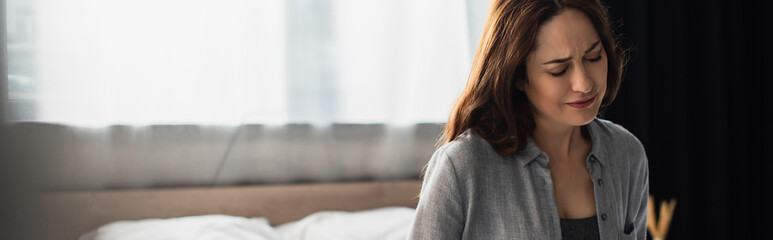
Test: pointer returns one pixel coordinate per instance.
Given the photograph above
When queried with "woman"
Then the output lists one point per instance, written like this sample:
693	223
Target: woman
523	154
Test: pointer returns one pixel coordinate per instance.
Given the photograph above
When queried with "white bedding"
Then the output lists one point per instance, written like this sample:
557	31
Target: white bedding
381	223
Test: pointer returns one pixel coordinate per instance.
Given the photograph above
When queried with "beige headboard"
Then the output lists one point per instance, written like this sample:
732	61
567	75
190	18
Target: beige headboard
74	213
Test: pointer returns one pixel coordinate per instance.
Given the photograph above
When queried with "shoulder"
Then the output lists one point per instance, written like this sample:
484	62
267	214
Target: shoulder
466	144
619	142
613	134
468	152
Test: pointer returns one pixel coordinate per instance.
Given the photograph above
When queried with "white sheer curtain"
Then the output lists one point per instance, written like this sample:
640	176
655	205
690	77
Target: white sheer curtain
136	62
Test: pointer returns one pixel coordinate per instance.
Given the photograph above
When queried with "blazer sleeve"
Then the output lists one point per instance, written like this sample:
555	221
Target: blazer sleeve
440	211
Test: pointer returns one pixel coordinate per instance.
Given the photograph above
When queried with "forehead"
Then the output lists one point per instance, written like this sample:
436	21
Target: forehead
569	32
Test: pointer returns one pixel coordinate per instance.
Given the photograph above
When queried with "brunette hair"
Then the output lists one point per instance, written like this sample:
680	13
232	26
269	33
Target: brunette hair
490	104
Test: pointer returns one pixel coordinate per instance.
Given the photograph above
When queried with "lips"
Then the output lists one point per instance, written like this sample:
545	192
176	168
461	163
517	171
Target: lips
583	103
583	100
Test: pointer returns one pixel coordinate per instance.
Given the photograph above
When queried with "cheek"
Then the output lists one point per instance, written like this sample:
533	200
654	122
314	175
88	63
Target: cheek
599	73
545	91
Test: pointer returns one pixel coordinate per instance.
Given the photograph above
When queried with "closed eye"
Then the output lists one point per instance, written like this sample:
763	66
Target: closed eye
564	71
558	74
595	59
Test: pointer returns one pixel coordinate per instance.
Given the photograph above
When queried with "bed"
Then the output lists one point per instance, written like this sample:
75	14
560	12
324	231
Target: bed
288	211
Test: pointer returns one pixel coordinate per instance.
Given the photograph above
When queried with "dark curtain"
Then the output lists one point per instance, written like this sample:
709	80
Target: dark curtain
697	94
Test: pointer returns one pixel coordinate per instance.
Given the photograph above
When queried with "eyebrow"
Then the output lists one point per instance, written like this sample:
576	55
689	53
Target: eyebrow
561	60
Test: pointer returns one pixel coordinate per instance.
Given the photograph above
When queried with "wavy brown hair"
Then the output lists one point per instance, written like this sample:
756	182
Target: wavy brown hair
490	104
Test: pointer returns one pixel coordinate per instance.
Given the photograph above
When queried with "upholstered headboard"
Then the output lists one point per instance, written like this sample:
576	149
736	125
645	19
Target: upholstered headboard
130	157
92	176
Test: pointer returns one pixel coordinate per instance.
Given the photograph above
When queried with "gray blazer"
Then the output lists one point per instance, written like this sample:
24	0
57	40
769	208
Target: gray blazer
471	192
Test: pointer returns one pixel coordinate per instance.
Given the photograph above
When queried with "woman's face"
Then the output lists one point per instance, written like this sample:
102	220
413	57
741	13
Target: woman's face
568	65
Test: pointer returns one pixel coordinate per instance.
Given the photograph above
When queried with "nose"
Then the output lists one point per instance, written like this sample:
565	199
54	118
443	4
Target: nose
581	82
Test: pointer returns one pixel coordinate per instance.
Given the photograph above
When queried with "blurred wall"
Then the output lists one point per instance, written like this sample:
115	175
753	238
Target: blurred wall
3	66
19	210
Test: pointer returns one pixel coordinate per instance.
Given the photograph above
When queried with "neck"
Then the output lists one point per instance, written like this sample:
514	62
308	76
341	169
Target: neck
557	140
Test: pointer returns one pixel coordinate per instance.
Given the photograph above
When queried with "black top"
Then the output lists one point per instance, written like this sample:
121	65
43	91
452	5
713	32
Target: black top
582	228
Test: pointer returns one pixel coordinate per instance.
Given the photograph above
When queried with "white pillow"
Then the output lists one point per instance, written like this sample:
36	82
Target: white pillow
186	228
380	223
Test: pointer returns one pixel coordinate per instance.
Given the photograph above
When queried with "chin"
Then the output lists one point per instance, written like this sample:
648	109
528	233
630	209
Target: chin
581	118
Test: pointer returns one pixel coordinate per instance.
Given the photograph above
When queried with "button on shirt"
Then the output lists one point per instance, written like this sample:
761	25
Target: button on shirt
471	192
